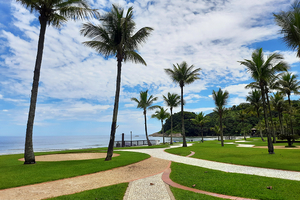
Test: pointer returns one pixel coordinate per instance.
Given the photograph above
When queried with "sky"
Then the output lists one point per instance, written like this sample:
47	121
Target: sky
77	85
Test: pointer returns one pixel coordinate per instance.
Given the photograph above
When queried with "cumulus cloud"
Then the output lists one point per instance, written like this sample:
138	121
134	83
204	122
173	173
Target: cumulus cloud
211	35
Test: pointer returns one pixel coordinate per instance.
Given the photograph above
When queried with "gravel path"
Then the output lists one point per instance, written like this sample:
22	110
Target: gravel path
273	173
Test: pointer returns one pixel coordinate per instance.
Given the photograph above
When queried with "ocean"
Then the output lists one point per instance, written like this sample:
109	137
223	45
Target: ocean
15	144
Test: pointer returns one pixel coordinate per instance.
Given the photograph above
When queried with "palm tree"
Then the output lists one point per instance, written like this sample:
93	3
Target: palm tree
183	75
55	13
115	38
261	71
173	100
242	117
217	130
145	103
220	99
278	103
161	115
200	120
254	98
290	26
287	84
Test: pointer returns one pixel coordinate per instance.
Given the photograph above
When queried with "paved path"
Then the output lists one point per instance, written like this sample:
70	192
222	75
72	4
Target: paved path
273	173
67	186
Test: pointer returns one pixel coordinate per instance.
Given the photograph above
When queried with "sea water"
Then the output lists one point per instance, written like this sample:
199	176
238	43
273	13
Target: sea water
16	144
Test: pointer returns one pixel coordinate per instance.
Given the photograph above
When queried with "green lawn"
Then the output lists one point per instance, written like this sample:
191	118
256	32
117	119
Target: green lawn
14	173
287	159
113	192
241	185
180	194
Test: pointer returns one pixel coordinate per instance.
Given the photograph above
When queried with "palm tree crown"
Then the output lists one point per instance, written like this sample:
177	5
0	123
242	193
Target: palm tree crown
290	26
115	36
183	74
57	12
288	84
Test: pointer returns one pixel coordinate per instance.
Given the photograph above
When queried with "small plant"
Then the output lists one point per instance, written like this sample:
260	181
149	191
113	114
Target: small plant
290	139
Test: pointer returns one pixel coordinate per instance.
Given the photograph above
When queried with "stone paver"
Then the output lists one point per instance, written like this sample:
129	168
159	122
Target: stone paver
150	188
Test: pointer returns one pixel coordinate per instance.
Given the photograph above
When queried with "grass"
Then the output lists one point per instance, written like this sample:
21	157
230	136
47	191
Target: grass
241	185
188	195
14	173
286	159
113	192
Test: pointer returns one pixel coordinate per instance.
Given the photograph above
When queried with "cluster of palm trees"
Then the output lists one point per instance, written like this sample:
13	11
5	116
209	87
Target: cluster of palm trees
115	36
269	75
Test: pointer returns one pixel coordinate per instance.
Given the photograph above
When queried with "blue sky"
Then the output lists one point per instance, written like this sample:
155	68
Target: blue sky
77	85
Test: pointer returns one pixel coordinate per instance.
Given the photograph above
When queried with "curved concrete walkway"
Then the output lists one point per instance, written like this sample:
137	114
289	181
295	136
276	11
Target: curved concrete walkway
273	173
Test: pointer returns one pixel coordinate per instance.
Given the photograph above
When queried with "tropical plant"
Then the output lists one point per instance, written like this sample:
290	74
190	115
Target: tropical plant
289	22
242	115
184	75
288	84
115	38
261	71
161	115
172	100
254	98
278	103
55	13
200	120
220	99
145	103
217	130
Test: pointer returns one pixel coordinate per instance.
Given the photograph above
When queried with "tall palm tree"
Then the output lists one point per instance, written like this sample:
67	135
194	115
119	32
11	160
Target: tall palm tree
184	75
115	38
220	99
289	22
254	98
261	71
200	120
172	100
55	13
145	103
288	84
161	115
278	103
242	117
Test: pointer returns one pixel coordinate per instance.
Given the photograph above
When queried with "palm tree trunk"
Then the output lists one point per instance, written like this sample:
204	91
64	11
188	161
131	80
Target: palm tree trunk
280	121
221	129
162	130
202	133
171	142
115	113
273	129
182	120
270	144
260	132
291	123
29	154
148	141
